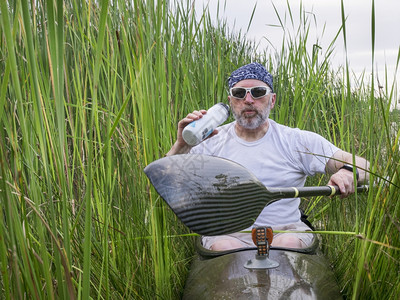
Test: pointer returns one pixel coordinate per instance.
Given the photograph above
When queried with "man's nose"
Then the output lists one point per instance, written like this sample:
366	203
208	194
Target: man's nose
248	97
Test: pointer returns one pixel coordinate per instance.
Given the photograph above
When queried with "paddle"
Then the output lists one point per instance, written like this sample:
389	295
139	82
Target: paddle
214	196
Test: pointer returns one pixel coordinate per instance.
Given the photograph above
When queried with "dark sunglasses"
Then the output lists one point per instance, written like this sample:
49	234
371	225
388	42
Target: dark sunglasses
256	92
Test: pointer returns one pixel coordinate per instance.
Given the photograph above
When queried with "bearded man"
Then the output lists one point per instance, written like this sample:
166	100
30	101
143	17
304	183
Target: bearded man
279	156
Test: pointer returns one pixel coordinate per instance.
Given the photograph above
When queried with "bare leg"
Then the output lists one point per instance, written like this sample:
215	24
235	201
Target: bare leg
287	241
227	244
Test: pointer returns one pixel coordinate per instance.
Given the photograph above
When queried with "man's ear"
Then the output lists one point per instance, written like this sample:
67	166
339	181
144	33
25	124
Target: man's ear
273	100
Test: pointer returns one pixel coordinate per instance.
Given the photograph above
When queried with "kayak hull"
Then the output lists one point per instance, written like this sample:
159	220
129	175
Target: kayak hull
298	276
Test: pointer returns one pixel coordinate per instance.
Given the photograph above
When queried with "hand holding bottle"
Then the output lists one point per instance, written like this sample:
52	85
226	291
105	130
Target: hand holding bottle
197	126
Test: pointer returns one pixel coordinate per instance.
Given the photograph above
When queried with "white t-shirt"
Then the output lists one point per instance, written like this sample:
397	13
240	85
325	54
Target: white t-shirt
284	157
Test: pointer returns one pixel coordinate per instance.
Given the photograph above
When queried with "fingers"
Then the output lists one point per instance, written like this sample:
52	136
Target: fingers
193	116
345	181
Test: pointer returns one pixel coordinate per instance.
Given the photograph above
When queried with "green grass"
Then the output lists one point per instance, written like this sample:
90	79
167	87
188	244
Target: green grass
92	92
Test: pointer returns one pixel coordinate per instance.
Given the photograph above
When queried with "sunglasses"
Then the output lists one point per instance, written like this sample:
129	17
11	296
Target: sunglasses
255	92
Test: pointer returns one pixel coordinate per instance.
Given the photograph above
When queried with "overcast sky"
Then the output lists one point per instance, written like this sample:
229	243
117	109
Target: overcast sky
328	14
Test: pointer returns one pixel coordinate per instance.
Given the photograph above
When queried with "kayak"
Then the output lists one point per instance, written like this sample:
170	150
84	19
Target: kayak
301	274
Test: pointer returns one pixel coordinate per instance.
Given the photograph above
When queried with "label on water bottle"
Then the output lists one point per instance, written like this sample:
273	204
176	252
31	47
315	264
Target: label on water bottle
206	133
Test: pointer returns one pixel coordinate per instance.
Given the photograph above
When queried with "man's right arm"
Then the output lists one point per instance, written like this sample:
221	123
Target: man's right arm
180	146
342	177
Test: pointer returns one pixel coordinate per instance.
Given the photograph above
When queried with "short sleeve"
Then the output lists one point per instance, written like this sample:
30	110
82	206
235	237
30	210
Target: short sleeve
313	152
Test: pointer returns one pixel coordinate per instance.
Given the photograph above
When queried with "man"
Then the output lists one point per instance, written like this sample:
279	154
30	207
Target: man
278	155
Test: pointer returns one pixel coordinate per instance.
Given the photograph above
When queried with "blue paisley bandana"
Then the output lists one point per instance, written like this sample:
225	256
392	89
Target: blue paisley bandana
251	71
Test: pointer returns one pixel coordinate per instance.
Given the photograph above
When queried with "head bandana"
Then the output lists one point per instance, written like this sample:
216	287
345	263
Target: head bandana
251	71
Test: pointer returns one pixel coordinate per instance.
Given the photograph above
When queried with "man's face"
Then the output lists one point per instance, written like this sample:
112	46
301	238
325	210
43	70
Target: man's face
251	113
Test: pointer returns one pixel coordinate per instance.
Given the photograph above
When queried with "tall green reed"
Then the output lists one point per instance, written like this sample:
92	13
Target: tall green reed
91	93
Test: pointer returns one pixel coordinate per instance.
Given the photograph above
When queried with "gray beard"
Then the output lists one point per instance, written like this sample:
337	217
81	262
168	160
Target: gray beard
254	122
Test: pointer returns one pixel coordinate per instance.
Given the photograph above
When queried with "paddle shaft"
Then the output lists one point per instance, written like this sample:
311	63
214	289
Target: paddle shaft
310	191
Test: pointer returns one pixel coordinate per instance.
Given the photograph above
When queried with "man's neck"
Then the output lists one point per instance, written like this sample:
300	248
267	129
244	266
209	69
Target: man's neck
251	135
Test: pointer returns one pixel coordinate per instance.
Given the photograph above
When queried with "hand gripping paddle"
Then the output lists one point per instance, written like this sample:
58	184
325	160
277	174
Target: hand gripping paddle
215	196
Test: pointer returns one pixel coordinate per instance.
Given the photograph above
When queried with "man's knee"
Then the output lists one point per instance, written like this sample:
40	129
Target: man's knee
287	241
223	245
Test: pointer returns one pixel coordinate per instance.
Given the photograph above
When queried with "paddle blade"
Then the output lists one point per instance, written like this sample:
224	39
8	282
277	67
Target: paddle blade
210	195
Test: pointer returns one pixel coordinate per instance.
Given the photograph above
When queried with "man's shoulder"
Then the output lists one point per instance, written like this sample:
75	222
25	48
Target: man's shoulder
283	129
294	136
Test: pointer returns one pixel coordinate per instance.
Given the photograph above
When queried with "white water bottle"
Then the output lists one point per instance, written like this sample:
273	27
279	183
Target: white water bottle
200	129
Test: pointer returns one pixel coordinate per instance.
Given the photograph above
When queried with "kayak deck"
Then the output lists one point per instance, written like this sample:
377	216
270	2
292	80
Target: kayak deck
298	276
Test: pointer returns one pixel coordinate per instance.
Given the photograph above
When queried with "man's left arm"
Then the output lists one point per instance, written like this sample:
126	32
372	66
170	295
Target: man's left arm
340	164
